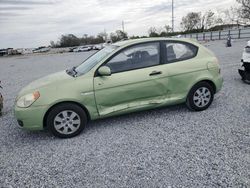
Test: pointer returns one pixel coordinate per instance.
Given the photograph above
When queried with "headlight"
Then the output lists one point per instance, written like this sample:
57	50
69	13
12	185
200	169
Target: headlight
27	100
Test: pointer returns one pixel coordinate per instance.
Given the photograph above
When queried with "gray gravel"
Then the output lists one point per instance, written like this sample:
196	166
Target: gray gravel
168	147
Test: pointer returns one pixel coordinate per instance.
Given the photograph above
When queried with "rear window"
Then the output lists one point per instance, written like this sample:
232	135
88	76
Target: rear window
177	51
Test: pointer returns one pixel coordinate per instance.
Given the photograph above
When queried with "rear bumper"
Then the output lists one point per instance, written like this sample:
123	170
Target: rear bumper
30	118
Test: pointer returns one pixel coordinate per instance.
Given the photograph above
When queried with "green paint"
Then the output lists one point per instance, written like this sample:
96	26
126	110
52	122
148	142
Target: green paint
123	92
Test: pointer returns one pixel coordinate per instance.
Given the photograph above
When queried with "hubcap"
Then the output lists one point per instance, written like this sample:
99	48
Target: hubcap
67	122
202	97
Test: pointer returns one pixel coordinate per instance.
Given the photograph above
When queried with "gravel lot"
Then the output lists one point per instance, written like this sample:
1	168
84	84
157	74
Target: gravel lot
168	147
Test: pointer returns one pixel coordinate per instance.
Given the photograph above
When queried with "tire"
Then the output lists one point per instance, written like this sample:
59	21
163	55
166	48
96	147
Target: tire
200	96
66	120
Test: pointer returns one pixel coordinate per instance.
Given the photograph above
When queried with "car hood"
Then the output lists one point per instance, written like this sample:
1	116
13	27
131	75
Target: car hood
46	81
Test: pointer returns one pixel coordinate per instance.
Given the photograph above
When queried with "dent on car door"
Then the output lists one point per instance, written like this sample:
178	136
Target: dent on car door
182	67
136	80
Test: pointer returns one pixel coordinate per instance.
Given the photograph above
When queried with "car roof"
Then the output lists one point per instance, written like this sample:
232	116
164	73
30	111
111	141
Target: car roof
142	40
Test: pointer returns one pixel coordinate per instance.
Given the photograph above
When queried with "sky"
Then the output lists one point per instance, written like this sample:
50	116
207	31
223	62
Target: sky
33	23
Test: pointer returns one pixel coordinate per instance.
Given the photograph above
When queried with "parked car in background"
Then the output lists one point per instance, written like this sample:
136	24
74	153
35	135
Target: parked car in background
27	51
71	49
109	42
41	49
9	51
82	49
98	47
245	72
123	77
3	52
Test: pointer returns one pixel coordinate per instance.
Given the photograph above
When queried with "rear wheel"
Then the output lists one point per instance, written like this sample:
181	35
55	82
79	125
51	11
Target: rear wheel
200	96
66	120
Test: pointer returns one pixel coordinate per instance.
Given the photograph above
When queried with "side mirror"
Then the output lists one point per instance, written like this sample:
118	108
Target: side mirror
104	71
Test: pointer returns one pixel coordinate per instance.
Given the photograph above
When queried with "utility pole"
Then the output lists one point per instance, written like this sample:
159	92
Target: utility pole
172	15
123	26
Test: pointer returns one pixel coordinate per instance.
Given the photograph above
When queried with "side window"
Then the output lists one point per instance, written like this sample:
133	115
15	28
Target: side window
180	51
136	57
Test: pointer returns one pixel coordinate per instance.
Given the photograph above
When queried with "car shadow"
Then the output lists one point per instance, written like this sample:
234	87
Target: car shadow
101	124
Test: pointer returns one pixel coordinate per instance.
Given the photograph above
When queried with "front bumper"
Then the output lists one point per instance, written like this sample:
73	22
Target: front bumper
245	75
30	118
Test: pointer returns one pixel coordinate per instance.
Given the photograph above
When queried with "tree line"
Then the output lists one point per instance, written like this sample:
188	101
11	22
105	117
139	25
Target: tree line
71	40
193	22
196	22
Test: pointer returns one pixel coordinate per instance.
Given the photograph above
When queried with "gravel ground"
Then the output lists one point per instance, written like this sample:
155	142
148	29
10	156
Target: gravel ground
168	147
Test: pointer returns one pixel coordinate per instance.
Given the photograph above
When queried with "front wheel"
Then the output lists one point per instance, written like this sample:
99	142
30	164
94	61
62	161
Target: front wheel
66	120
200	97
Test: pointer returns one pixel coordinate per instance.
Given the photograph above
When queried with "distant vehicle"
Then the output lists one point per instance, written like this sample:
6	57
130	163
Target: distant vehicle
14	52
71	49
124	77
82	49
98	47
1	101
27	51
90	46
9	51
109	42
245	72
3	52
41	49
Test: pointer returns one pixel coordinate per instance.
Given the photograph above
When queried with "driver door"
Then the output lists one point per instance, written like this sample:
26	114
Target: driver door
137	80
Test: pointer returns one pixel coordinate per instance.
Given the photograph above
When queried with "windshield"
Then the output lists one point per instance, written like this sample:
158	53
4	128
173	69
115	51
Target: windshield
89	63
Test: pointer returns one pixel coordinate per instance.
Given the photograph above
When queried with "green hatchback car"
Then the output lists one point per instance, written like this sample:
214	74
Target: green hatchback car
123	77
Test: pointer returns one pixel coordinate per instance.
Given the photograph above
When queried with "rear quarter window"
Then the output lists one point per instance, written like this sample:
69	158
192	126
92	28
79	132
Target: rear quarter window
179	51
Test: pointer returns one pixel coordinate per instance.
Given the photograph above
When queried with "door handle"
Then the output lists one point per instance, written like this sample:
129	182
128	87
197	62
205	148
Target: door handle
155	73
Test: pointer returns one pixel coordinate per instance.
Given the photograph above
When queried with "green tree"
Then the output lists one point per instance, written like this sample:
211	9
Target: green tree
102	36
118	35
152	32
168	29
191	21
207	20
69	40
244	9
121	35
